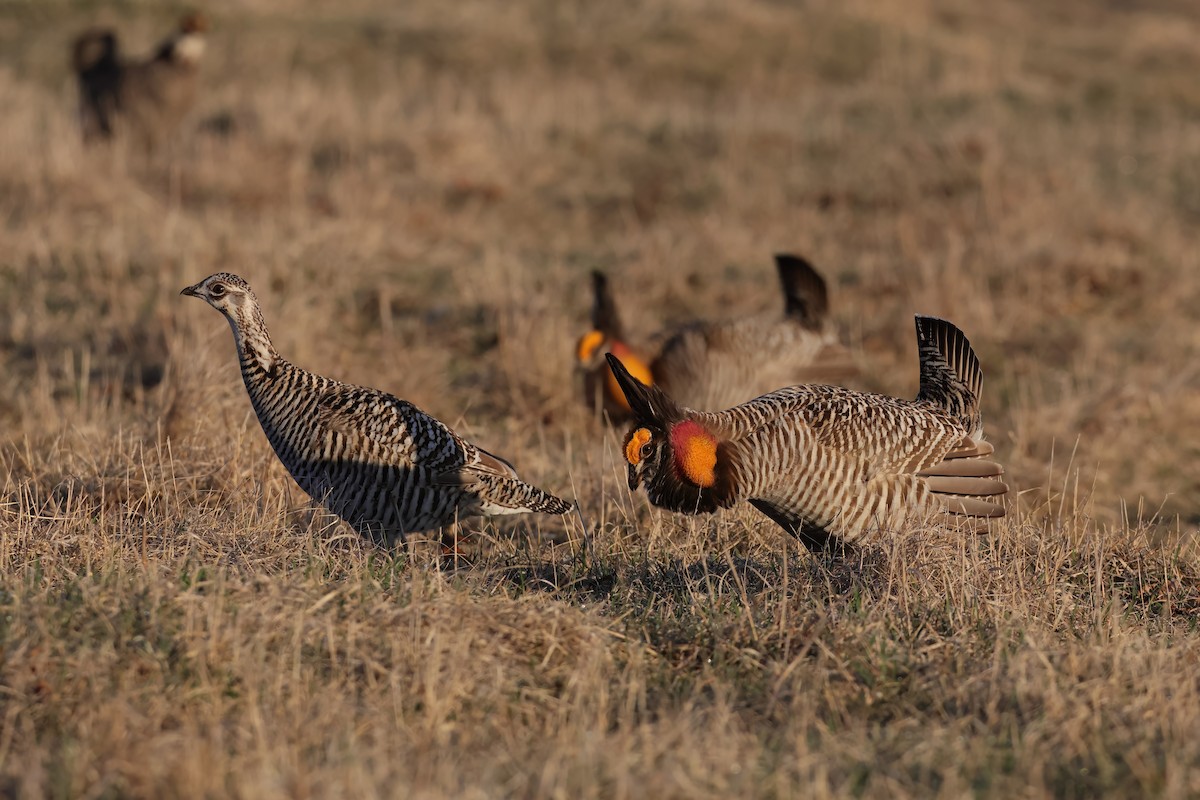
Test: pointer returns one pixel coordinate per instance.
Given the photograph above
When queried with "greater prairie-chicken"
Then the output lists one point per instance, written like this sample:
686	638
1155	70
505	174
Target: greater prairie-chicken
825	463
378	462
712	365
148	97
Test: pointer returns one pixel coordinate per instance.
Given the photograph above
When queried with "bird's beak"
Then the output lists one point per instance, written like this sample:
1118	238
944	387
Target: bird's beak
191	291
635	480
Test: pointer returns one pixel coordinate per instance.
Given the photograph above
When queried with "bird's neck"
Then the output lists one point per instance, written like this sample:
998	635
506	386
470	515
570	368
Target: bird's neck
255	351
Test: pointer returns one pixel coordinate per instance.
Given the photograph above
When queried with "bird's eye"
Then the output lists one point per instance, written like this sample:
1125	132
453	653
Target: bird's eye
217	289
646	448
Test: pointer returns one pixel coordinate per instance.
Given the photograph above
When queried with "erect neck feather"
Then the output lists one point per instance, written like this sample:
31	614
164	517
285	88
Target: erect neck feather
637	368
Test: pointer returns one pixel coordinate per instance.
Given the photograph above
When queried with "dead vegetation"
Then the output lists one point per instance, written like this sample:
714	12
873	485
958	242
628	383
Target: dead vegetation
421	192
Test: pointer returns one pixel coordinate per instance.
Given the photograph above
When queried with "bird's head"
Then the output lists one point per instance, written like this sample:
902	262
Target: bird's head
225	292
187	47
686	449
683	465
234	298
590	353
606	336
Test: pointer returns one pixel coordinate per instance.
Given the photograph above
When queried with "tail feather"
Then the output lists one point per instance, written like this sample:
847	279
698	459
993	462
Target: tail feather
971	449
966	487
518	496
965	484
964	468
804	290
950	375
549	504
972	507
93	48
501	491
100	75
977	487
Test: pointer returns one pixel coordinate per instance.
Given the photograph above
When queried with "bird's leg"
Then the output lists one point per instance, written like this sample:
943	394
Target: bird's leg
454	536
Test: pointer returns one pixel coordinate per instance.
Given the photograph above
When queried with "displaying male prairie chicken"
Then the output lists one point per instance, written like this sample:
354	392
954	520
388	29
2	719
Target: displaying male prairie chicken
378	462
147	97
718	364
825	463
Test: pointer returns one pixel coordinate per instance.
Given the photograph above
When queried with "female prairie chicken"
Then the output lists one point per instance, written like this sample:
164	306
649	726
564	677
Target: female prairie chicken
715	365
823	462
378	462
151	96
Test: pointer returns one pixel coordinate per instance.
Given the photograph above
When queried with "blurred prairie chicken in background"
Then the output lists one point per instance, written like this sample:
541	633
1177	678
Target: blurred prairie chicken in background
825	463
149	97
716	365
378	462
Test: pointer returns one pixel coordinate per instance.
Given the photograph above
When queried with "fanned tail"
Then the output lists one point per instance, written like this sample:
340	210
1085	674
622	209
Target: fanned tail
804	291
950	375
94	58
545	503
92	47
514	496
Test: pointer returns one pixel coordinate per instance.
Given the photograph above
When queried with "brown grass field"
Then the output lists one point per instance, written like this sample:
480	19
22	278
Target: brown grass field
417	191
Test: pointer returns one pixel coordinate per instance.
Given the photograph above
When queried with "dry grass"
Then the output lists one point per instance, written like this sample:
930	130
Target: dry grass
417	192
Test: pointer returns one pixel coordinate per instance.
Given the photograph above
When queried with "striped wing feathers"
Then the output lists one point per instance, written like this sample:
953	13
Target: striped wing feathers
376	427
393	431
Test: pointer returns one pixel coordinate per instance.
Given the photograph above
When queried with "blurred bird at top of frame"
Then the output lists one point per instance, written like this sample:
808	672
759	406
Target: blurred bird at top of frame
380	463
827	464
712	365
148	97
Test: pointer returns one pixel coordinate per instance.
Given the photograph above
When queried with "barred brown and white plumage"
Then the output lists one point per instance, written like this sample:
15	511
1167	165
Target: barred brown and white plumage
824	462
378	462
713	365
150	96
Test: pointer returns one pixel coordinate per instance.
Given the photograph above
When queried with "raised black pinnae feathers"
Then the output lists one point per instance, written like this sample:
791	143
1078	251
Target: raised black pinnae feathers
604	309
804	289
650	404
950	375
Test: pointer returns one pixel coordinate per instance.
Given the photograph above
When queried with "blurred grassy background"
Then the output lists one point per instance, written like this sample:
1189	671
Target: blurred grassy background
417	193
